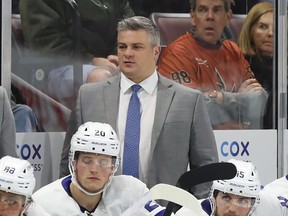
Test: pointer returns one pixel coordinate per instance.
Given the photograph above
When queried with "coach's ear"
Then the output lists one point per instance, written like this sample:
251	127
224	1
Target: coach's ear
157	50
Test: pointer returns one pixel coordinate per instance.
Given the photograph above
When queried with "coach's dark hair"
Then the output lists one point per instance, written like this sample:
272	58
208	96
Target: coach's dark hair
137	23
227	4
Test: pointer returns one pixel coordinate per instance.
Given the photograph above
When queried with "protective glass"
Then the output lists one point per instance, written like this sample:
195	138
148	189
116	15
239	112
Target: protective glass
103	162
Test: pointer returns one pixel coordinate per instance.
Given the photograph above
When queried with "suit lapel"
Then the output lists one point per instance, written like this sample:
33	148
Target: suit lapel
111	100
164	98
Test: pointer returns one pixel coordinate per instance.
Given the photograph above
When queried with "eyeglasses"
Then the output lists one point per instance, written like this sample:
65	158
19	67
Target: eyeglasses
11	202
103	163
242	202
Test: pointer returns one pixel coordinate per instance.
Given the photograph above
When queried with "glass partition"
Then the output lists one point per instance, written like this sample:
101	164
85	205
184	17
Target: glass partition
5	44
30	82
281	47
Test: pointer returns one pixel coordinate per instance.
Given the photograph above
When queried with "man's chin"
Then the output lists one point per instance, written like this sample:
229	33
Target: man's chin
93	190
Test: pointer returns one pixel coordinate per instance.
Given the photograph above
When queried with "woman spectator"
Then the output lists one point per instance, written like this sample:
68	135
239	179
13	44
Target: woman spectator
256	42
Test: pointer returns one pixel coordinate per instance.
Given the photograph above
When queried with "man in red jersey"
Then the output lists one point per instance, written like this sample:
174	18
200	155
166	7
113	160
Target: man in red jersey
204	60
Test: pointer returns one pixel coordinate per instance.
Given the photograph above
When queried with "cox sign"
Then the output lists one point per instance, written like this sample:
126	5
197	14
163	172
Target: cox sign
250	145
234	148
33	153
29	151
43	151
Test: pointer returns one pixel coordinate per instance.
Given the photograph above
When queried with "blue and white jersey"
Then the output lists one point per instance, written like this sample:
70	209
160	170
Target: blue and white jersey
277	193
35	210
151	209
122	193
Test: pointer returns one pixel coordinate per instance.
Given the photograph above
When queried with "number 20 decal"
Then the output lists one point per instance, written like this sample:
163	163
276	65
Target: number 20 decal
99	133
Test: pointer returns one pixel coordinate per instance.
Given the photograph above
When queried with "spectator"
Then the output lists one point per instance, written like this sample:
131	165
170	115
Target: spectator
7	126
204	60
239	196
25	118
91	188
17	184
175	128
47	27
256	42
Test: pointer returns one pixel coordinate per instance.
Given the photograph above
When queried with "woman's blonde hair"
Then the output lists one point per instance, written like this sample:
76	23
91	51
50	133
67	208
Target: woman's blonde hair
245	40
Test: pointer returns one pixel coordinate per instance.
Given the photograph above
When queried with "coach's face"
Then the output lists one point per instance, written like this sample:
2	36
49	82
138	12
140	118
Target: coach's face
137	57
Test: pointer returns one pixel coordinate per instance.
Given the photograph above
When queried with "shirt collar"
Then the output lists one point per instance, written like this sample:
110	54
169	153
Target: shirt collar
149	84
206	44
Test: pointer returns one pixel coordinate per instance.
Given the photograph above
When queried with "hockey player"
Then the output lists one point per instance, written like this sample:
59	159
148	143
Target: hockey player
17	183
92	188
279	190
240	196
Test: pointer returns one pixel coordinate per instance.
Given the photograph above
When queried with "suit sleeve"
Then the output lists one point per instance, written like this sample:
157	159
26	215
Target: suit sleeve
203	149
75	121
7	127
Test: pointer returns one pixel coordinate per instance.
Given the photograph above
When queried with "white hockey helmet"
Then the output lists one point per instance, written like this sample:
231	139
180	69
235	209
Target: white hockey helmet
94	137
16	176
246	182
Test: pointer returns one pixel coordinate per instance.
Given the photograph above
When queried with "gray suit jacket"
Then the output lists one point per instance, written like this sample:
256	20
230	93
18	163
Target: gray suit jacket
7	126
182	133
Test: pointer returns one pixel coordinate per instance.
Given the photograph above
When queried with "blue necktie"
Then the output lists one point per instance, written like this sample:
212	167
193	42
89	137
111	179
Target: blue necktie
132	135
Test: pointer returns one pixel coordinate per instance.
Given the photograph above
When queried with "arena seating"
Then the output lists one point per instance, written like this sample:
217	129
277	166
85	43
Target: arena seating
173	25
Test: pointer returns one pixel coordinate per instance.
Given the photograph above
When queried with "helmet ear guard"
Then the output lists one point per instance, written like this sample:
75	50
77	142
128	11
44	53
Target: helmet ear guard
246	183
16	176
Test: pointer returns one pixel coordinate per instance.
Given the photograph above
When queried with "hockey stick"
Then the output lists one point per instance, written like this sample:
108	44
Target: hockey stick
169	193
178	196
206	173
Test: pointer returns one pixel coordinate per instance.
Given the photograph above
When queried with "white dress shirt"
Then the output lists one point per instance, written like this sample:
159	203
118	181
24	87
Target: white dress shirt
147	96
